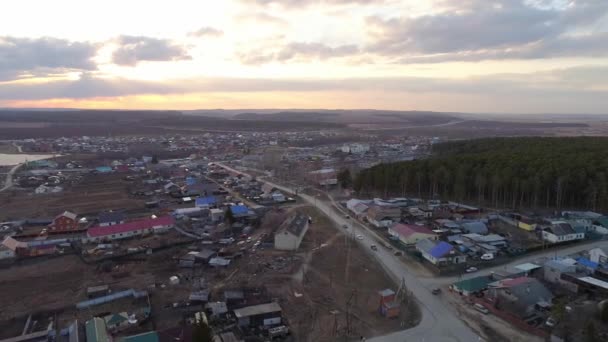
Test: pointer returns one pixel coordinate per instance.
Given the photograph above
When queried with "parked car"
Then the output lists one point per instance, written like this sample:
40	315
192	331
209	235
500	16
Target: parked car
436	291
374	247
398	253
481	309
346	216
345	226
471	269
551	322
487	256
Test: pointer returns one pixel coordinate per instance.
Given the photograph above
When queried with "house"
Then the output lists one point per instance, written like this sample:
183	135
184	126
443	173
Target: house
477	227
440	253
103	169
64	221
560	231
110	218
472	286
96	330
205	202
216	309
117	322
259	315
553	270
410	234
217	215
291	232
488	243
129	229
352	203
519	296
278	197
239	211
599	255
6	253
360	210
382	217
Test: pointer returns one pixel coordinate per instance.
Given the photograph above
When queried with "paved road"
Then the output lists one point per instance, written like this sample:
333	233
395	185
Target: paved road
439	322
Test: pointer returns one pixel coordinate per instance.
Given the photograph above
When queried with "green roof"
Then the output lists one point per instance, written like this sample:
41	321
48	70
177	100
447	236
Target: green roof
151	336
603	221
116	318
96	330
473	284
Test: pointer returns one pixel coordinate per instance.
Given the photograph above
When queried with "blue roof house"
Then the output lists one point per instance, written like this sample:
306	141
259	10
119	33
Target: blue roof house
103	169
239	210
205	202
440	253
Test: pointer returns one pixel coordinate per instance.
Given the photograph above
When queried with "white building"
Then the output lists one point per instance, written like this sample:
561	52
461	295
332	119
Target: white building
290	234
561	231
355	148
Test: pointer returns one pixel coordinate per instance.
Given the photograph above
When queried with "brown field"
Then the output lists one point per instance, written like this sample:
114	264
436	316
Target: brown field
95	193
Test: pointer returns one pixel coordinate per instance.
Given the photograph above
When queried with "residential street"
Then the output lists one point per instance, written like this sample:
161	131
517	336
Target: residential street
439	321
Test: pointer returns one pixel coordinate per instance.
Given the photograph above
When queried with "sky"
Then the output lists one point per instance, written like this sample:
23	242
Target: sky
483	56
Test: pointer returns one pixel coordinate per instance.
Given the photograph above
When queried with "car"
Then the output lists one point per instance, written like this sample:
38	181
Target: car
481	308
347	217
436	291
487	256
345	226
471	269
359	237
398	253
551	322
374	247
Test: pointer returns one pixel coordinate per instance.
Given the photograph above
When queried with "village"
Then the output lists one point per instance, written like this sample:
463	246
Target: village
142	248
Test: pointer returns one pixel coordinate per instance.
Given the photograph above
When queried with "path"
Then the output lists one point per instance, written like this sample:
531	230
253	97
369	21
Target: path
8	182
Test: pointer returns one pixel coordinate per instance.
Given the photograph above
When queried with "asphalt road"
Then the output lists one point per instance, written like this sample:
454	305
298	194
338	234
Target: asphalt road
439	322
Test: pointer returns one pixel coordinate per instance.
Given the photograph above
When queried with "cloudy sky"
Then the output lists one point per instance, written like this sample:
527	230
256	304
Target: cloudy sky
500	56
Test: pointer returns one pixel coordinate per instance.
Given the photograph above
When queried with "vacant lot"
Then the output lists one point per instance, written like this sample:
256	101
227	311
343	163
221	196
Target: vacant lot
94	194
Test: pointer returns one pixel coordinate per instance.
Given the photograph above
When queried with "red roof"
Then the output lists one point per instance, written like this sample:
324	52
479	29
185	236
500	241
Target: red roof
408	230
515	281
131	226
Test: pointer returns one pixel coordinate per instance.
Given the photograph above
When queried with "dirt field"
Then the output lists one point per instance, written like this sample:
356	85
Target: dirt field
94	194
316	284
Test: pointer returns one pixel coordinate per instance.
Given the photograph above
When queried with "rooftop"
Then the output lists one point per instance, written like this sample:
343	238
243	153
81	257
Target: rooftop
131	226
296	225
410	229
257	310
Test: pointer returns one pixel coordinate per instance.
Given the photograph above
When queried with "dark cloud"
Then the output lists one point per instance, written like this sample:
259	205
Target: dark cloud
22	57
299	51
135	49
206	31
493	30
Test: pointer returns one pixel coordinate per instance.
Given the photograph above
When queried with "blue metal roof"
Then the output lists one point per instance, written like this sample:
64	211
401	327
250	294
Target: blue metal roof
206	200
239	209
587	263
190	181
441	249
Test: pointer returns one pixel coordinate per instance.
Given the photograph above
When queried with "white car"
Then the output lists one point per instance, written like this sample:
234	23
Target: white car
550	322
359	237
487	256
471	269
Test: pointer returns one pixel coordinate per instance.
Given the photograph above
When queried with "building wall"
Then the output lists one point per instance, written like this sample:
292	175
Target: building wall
412	239
64	223
287	241
548	236
6	254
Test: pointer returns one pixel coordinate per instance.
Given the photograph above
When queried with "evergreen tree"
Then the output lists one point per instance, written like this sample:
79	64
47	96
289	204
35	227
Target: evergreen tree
202	333
345	179
229	216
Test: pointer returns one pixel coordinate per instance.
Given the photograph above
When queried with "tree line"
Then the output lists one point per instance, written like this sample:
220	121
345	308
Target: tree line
531	172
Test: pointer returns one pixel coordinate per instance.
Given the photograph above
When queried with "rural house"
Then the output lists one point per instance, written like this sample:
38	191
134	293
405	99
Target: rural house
560	231
410	234
519	296
129	229
64	221
440	253
110	218
290	234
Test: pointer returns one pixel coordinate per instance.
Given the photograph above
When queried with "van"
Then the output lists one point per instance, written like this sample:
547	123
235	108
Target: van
481	308
487	256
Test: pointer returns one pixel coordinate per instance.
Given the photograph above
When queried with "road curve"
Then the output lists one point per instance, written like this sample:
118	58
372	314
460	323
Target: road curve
439	322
